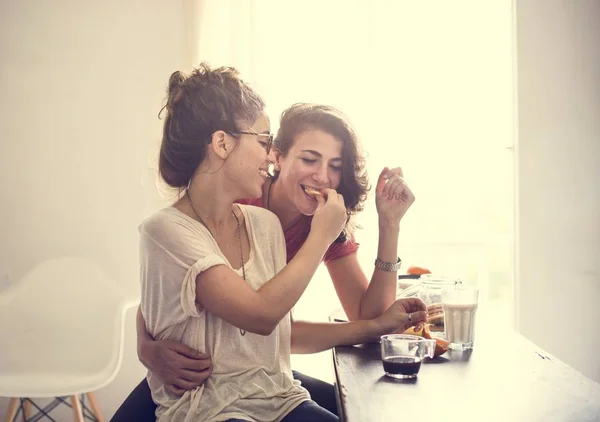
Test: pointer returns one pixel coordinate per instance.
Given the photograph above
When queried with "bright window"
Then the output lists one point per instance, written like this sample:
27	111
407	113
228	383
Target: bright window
429	87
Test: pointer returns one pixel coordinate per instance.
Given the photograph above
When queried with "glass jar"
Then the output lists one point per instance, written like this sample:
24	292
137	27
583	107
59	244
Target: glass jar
432	286
430	292
406	281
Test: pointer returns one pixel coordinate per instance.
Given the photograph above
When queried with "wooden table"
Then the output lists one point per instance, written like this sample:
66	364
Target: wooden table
504	378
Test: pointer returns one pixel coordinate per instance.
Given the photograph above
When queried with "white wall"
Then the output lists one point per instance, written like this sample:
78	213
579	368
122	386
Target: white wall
81	84
558	164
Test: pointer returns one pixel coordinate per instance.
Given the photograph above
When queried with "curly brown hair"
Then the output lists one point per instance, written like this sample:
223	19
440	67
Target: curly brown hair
300	117
197	105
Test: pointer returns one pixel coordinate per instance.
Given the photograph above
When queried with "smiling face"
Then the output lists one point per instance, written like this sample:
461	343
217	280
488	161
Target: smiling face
314	161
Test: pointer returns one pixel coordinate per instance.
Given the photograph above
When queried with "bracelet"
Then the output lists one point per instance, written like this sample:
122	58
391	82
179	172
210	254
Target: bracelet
387	266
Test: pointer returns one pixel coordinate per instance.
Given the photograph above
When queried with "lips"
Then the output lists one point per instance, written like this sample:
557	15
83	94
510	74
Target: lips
311	192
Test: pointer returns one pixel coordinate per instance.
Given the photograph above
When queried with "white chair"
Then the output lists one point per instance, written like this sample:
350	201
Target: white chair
62	334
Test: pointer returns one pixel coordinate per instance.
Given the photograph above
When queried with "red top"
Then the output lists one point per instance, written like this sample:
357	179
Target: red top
296	235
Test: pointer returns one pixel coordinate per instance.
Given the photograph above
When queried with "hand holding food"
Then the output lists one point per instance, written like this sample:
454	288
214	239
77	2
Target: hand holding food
313	192
330	217
435	317
403	313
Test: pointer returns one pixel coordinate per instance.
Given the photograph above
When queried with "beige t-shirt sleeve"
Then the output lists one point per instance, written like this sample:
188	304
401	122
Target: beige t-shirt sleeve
174	249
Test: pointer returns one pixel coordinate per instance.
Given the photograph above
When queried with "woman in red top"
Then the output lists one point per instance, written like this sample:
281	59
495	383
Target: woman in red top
316	148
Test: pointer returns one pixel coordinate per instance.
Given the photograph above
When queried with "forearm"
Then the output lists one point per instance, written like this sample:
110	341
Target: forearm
381	292
225	294
314	337
143	337
280	294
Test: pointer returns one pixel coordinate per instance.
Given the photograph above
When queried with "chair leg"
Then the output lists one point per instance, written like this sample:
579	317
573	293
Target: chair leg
95	408
77	413
11	411
27	407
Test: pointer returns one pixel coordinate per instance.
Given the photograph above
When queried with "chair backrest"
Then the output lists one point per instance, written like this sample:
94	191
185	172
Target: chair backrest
64	317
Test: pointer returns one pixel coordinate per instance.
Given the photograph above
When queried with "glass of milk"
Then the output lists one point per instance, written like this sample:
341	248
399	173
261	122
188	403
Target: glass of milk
460	307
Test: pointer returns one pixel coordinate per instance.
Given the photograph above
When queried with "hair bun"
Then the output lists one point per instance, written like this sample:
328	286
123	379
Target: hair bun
175	81
175	89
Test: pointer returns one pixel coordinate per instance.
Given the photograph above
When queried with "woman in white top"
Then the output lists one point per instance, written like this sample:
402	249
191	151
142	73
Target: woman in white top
213	273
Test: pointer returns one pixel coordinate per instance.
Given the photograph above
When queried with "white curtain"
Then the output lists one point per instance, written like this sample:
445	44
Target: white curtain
428	86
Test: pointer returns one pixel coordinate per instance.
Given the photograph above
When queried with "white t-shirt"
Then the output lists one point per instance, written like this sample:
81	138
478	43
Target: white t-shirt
252	377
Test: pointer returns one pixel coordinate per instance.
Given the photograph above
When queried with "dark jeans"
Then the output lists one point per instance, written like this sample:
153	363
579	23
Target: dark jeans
139	407
306	411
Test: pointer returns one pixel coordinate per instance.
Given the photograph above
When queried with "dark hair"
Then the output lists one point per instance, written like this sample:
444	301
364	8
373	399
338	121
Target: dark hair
301	117
197	105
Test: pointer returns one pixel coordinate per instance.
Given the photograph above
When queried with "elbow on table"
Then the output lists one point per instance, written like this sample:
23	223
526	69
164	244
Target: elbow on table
364	313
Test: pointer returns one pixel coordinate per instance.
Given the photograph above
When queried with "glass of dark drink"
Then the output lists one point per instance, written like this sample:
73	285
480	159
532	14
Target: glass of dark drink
401	354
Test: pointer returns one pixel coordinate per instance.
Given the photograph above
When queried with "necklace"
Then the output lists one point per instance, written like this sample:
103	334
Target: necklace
239	231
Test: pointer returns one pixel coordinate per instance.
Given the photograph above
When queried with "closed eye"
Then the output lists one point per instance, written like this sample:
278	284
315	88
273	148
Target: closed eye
309	160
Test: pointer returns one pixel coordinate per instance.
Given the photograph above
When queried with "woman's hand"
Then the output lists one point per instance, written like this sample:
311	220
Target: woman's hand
393	197
403	314
330	216
177	365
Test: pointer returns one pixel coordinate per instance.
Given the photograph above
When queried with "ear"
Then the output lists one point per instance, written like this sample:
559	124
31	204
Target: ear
221	144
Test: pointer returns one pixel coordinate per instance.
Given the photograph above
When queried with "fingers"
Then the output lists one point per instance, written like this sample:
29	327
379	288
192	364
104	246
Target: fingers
399	190
418	317
320	202
195	377
186	385
404	193
186	351
186	373
395	183
333	196
434	307
188	380
413	304
381	180
391	184
195	365
189	367
397	171
417	320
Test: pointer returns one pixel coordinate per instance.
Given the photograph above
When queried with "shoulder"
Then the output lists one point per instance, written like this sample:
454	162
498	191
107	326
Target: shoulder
251	201
168	222
259	213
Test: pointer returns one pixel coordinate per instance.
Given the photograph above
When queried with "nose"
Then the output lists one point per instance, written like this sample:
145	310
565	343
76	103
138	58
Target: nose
321	176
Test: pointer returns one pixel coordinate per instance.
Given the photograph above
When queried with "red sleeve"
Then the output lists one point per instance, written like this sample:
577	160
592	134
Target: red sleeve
340	250
257	202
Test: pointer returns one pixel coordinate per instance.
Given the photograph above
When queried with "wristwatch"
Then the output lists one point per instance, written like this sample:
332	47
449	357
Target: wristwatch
387	266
